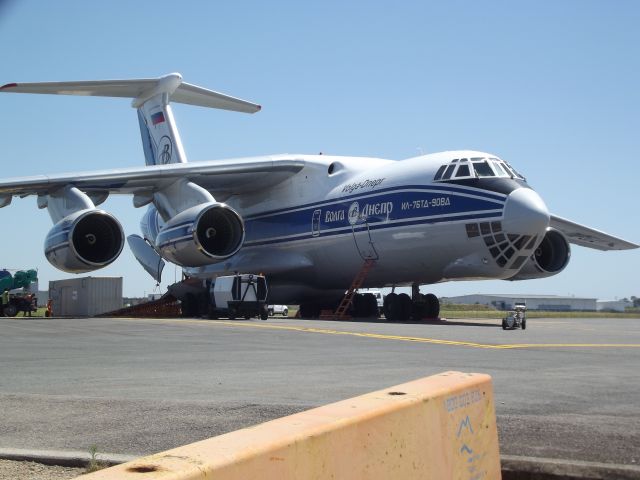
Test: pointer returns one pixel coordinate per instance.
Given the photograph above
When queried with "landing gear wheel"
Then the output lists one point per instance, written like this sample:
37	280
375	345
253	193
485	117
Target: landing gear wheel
403	307
504	323
432	306
524	323
365	305
372	305
264	314
356	305
389	300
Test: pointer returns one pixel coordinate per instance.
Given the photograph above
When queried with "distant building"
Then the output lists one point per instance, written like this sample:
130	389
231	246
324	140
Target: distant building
614	305
555	303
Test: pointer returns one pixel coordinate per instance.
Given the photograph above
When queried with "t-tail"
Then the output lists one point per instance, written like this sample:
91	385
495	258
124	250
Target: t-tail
151	97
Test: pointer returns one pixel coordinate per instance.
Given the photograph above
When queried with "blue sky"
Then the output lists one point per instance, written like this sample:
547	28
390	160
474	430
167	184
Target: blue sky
552	87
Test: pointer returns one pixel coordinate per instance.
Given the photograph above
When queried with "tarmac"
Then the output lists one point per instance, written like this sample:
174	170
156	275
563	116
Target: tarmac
565	389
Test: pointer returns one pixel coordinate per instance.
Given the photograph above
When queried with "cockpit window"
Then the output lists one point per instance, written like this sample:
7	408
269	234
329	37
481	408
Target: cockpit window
483	169
476	167
440	172
463	171
448	172
500	169
515	172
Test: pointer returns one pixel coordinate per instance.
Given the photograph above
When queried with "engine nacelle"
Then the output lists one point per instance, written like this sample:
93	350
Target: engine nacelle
201	235
84	241
550	258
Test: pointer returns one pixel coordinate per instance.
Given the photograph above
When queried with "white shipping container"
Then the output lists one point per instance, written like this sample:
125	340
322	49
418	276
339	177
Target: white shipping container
85	296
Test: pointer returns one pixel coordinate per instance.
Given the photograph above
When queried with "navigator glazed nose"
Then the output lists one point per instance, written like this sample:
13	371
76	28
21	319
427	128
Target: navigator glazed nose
525	213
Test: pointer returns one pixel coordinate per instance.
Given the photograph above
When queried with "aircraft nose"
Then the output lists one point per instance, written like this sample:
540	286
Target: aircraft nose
525	213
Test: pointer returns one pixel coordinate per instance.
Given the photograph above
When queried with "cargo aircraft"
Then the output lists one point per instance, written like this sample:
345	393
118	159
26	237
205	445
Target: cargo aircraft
308	222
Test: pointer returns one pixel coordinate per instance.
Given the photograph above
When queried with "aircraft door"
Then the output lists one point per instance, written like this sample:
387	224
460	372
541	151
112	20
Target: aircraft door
362	236
315	223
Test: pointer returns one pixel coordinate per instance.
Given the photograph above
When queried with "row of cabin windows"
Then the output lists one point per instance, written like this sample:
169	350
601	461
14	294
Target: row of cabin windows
476	168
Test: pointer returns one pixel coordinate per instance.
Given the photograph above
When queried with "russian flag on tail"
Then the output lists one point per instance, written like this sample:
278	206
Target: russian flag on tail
157	118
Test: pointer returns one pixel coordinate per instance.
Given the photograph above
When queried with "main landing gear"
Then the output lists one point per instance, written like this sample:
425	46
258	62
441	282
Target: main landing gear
400	307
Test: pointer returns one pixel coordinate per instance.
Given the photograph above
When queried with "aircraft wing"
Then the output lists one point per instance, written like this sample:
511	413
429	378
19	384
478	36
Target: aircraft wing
221	177
589	237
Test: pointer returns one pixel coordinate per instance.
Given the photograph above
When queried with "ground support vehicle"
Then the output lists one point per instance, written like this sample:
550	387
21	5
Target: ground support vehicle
236	296
516	318
233	296
19	304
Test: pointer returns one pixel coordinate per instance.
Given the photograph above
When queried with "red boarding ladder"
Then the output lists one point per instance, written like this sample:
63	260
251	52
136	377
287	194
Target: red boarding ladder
341	311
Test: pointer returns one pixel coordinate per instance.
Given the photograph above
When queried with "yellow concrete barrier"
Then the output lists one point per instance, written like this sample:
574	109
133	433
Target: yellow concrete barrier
440	427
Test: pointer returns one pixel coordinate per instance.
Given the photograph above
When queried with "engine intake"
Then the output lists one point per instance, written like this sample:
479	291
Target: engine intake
548	259
201	235
84	241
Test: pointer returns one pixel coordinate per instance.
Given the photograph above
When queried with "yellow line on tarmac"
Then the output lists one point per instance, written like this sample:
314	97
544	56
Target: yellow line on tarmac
415	339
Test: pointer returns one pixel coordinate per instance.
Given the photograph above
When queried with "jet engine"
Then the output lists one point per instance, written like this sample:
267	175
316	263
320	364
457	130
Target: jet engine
201	235
550	258
84	241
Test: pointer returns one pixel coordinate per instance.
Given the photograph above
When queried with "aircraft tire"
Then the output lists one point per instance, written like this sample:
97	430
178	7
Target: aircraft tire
369	305
357	305
403	307
524	323
389	300
432	306
504	324
419	308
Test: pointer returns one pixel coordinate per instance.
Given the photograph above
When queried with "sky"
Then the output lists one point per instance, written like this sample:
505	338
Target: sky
551	87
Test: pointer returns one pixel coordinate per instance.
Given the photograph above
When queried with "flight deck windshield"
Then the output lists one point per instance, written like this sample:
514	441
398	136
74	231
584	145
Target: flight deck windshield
476	167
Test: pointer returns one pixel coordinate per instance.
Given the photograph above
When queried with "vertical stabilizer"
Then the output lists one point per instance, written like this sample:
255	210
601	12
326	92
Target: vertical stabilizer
151	97
160	138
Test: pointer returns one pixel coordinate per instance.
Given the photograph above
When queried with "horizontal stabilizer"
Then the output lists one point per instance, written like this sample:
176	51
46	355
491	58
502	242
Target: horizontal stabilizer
137	88
589	237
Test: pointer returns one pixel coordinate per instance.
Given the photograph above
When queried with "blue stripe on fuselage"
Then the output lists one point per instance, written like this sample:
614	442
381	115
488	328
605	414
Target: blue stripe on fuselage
488	195
387	208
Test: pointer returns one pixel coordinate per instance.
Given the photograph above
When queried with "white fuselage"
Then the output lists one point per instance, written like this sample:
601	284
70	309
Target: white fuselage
311	233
